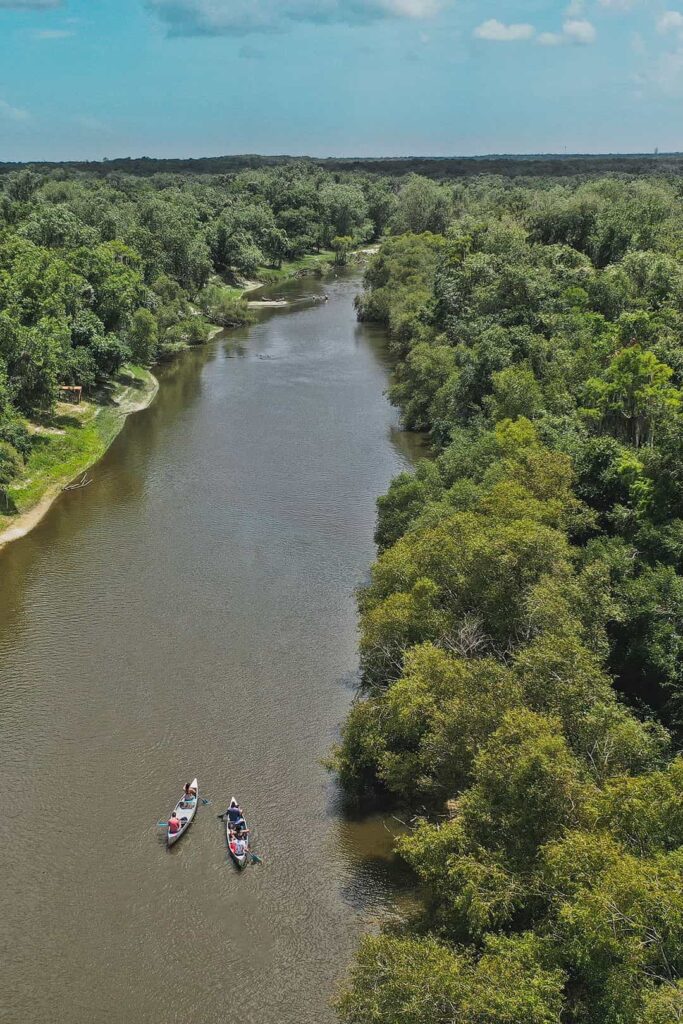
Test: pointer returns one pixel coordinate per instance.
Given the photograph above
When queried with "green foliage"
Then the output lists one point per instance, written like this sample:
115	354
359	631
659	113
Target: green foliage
221	306
618	922
396	980
420	740
10	462
634	394
516	393
344	210
422	206
341	246
143	336
95	269
192	331
644	811
521	630
664	1005
463	568
407	495
528	789
399	281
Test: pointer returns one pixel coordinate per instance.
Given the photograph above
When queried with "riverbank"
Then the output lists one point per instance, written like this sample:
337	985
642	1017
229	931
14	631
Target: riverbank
75	437
68	443
309	265
232	304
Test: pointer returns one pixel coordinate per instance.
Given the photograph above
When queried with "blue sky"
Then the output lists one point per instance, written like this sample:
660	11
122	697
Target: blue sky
104	78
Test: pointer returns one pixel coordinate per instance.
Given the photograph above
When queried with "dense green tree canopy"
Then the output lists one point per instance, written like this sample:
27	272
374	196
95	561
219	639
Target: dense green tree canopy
97	270
521	630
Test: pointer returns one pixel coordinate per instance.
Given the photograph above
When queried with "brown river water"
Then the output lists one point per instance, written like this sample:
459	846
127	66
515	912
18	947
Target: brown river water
192	612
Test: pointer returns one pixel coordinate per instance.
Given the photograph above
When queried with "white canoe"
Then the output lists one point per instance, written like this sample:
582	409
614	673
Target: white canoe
185	811
239	859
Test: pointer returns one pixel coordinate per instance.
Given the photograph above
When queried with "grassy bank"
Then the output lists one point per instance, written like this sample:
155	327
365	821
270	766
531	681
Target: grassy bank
75	437
67	443
311	263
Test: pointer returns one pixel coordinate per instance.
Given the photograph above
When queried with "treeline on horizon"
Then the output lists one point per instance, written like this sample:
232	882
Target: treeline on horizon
443	168
521	635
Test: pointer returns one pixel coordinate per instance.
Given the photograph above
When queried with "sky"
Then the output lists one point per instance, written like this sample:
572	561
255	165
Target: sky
88	79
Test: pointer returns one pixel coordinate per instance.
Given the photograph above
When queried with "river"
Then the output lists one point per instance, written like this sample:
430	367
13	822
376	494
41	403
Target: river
192	612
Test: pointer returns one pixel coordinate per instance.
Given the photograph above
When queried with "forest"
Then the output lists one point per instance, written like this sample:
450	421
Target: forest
521	701
521	634
97	273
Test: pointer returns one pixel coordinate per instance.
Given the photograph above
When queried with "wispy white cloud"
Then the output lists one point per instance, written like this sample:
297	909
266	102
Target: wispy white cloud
10	113
575	32
617	5
550	39
496	31
579	31
670	22
410	8
241	17
664	71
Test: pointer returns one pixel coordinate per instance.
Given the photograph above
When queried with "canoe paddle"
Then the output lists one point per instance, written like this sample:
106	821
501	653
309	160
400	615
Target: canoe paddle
253	859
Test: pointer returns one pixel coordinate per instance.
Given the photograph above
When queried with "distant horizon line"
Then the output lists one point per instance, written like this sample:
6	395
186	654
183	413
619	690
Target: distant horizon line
651	154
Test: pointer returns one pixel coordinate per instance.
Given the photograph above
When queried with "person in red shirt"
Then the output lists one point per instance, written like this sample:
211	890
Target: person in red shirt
173	824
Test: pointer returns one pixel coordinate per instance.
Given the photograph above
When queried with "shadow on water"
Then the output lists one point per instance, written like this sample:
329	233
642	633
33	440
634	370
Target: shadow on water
378	878
235	348
365	833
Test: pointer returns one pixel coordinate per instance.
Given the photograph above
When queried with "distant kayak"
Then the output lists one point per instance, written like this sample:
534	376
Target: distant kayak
240	859
185	811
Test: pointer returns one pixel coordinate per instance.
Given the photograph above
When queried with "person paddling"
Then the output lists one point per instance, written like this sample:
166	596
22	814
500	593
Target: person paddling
173	824
233	813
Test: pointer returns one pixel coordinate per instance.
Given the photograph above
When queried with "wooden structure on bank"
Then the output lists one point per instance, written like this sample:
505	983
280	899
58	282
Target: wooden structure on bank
72	393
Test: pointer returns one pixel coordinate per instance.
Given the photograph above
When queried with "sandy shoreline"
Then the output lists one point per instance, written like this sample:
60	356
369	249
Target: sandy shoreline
129	401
